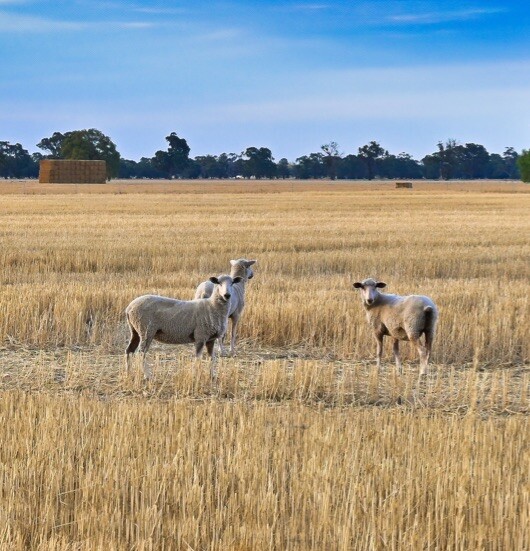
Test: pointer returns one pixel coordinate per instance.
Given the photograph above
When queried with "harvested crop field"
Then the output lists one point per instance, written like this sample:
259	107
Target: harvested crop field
301	443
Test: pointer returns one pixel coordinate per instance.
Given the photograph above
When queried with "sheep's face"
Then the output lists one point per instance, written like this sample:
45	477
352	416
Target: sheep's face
369	290
224	284
244	267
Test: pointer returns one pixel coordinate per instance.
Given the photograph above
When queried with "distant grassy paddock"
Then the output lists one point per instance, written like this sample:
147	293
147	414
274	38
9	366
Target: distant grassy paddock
302	444
255	186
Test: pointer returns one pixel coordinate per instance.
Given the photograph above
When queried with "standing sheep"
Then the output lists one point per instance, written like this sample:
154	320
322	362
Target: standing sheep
403	318
241	269
174	321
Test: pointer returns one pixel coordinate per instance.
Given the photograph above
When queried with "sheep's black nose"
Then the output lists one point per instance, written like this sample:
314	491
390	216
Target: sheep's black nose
370	301
227	295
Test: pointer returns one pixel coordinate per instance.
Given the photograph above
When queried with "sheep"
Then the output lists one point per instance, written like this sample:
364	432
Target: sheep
402	318
240	268
173	321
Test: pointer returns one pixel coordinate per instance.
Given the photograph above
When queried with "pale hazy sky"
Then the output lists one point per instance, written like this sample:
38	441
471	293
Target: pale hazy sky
285	75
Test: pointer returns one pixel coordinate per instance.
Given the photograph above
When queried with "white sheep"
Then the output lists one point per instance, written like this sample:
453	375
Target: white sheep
173	321
402	318
241	268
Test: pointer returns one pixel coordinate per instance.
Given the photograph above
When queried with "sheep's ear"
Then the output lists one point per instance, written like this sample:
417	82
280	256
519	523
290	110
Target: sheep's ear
358	285
233	262
237	279
250	262
380	285
213	279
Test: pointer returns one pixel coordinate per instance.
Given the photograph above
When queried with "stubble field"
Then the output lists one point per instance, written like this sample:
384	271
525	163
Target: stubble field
301	443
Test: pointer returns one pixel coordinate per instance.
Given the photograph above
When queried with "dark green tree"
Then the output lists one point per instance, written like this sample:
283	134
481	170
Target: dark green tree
369	155
283	169
510	157
209	166
523	161
87	145
53	145
447	156
310	166
442	164
175	160
259	162
331	158
16	162
231	164
399	166
471	161
496	167
92	145
128	169
351	168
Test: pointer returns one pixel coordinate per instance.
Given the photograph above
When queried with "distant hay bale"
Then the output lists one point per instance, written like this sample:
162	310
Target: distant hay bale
54	171
403	185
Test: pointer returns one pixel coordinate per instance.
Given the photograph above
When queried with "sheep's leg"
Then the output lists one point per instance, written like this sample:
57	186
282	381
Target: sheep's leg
397	357
133	344
210	347
221	344
144	347
233	334
199	346
379	352
429	336
423	355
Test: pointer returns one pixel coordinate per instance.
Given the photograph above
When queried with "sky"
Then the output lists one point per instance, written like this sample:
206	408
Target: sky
288	75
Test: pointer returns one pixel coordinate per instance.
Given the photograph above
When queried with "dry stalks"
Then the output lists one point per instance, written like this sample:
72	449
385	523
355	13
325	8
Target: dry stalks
301	443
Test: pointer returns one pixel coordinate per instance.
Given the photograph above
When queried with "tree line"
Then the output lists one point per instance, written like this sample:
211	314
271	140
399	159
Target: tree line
450	160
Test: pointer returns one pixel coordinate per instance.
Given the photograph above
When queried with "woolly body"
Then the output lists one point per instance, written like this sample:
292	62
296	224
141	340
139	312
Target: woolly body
173	321
404	318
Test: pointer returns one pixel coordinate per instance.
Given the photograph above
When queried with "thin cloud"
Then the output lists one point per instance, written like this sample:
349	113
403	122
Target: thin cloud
161	11
310	6
21	23
219	35
133	24
430	18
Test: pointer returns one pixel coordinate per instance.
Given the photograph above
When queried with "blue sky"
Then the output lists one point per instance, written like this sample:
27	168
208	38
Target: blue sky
288	75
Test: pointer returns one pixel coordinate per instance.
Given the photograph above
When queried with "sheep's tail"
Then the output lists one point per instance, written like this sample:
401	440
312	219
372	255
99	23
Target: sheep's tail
429	313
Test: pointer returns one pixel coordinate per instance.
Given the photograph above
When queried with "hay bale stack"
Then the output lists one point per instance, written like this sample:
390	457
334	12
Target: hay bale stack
54	171
403	185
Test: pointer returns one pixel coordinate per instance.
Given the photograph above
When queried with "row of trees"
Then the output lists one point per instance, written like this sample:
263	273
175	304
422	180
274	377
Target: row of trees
450	160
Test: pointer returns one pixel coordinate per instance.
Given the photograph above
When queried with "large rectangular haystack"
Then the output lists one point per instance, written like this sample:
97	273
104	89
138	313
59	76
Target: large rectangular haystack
54	171
403	185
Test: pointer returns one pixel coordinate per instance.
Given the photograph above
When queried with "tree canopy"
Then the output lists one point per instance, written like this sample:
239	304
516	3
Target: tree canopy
524	165
173	162
90	145
16	162
450	160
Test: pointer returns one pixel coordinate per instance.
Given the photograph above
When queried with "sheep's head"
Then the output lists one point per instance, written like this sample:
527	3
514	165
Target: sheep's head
369	290
242	268
224	286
